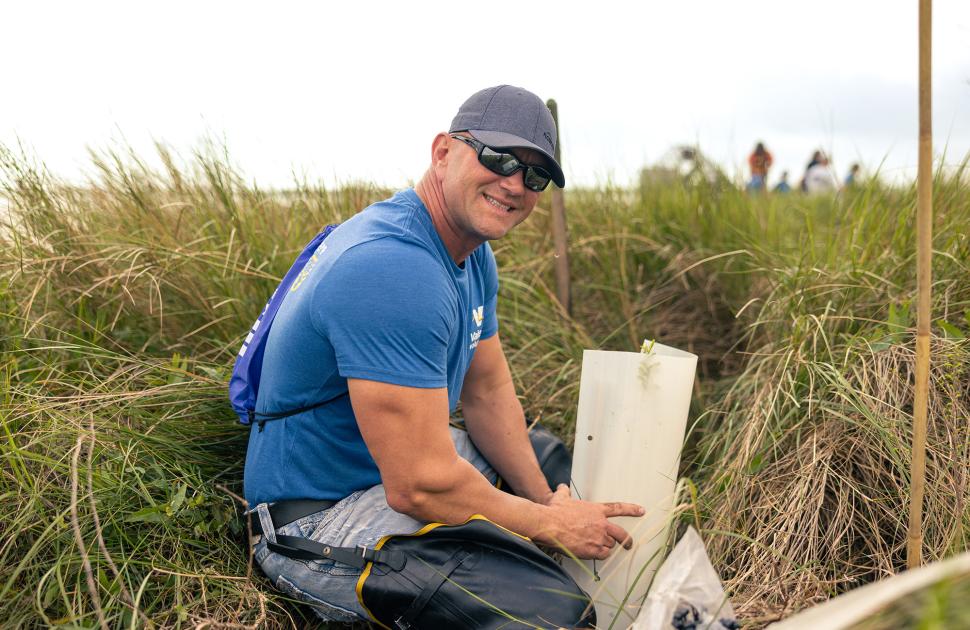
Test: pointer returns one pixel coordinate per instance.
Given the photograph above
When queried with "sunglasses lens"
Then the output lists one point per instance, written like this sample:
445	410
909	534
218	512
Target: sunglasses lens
536	178
500	163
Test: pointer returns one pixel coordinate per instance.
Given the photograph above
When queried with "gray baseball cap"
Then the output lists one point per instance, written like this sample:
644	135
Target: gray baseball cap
509	117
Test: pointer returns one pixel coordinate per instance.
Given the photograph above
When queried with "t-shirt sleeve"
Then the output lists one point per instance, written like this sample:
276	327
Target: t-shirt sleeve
490	275
386	308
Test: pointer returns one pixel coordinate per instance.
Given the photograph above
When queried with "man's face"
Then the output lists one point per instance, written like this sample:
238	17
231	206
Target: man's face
484	205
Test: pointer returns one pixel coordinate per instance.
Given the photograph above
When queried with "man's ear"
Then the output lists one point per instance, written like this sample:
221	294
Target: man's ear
440	148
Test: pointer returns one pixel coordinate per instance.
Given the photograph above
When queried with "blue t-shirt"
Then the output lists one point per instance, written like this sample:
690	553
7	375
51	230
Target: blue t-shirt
381	300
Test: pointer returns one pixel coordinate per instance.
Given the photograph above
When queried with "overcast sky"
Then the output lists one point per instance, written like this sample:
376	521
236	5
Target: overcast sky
357	90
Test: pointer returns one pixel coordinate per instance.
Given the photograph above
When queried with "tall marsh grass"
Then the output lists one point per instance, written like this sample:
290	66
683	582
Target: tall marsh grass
125	300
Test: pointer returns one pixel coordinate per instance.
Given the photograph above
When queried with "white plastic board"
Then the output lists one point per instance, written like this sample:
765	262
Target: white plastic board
629	432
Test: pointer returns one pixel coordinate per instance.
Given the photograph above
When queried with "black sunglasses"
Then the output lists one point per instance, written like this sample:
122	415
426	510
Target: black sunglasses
535	178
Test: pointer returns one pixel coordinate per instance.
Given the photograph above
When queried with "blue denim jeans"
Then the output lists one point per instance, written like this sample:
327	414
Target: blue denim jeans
362	518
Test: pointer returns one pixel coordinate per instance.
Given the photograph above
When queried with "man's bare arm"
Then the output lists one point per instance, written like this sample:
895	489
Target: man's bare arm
406	431
496	423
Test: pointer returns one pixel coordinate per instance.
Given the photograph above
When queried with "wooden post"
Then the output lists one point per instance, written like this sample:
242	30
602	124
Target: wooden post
560	238
924	254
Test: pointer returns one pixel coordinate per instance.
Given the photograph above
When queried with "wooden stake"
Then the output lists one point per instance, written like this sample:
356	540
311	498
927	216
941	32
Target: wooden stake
560	237
924	253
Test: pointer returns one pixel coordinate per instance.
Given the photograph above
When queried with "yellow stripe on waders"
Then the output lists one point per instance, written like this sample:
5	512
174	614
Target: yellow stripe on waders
421	532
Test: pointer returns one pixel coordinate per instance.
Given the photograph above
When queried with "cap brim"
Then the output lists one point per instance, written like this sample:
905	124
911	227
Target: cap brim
502	140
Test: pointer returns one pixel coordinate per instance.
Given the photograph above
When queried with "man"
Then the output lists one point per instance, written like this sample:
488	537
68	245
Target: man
393	322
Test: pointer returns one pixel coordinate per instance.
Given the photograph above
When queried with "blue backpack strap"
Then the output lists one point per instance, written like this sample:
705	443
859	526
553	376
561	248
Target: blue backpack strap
244	383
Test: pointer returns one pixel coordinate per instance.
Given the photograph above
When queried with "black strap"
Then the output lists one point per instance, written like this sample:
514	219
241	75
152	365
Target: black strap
408	617
358	557
266	417
285	512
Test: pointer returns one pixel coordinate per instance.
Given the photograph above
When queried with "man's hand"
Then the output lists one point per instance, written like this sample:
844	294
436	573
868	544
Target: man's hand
582	526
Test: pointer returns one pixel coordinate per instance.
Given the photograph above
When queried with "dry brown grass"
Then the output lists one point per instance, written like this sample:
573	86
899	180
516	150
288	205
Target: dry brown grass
828	510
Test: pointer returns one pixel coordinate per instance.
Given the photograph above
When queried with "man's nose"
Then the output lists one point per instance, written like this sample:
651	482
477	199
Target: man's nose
514	183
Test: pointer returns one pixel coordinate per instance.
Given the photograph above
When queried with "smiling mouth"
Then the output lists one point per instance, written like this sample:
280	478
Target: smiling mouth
498	204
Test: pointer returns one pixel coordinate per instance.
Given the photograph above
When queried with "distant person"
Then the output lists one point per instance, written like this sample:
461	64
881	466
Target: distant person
816	158
853	177
820	178
759	162
782	186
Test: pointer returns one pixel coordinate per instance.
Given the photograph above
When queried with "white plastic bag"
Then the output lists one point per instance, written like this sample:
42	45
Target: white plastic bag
686	593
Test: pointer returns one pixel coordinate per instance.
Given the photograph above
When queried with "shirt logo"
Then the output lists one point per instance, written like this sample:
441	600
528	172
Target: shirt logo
475	337
305	272
478	316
